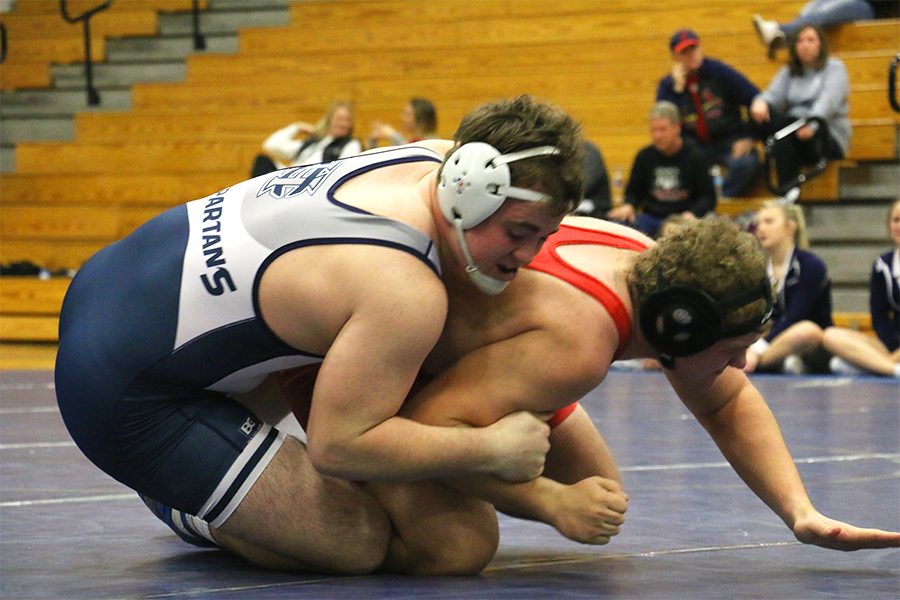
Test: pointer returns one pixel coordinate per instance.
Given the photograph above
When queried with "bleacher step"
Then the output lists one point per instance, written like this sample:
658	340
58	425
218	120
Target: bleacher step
118	74
225	20
167	48
850	299
229	4
849	263
27	128
7	158
870	180
60	102
854	221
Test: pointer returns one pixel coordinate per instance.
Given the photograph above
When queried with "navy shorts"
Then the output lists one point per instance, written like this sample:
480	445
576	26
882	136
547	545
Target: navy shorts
196	451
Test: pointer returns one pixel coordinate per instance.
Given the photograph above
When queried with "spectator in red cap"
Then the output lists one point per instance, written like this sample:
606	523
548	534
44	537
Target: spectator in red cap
709	95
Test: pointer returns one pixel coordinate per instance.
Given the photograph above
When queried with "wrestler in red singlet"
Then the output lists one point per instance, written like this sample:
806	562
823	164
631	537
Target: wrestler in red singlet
549	261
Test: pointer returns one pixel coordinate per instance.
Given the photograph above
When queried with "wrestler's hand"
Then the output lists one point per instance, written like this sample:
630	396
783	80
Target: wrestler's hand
590	511
818	529
521	440
679	77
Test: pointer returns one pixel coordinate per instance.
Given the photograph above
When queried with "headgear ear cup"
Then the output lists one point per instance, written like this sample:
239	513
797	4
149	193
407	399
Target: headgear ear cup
681	320
475	181
469	184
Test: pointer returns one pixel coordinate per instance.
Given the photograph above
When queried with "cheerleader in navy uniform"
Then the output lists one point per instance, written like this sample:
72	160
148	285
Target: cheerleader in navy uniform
803	304
856	352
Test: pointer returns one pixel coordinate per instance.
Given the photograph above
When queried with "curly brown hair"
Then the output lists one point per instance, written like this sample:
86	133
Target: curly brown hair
522	123
711	254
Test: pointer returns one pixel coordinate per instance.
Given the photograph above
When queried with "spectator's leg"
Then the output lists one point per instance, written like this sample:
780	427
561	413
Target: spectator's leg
859	349
786	155
741	173
822	145
829	13
648	224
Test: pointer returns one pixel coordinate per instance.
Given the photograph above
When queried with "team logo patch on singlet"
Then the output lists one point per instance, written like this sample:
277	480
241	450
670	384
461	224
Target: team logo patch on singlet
299	180
250	426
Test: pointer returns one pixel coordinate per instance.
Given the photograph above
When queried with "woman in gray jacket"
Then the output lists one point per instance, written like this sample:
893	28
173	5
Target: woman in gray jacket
811	86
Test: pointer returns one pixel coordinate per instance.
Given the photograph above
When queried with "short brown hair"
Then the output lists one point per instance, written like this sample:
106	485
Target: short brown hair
522	123
710	254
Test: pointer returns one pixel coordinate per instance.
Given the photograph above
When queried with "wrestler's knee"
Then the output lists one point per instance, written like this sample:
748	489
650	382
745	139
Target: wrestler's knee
465	548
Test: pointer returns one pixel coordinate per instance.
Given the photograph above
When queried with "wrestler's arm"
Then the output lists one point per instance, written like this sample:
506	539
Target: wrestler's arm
578	451
585	503
394	315
738	419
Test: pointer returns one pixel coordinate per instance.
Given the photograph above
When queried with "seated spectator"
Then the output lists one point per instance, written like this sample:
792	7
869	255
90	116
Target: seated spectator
300	143
670	176
597	199
710	94
821	13
812	86
418	120
857	353
802	308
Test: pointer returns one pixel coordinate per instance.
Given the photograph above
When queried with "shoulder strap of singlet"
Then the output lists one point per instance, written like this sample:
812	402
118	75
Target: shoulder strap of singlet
548	261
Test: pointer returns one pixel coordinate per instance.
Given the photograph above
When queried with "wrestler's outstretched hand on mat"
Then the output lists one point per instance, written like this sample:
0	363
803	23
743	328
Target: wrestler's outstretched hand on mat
590	511
522	442
816	528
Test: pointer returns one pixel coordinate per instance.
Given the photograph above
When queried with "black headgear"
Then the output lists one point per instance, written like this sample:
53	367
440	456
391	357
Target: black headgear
682	320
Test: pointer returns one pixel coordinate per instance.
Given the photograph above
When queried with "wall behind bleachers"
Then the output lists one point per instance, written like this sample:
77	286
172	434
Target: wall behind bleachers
600	60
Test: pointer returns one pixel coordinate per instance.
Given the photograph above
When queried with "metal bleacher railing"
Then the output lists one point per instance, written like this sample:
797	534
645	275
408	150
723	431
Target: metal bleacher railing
892	83
93	97
4	45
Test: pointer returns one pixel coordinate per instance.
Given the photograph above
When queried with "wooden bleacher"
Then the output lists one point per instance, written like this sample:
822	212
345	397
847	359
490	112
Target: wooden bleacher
38	35
600	61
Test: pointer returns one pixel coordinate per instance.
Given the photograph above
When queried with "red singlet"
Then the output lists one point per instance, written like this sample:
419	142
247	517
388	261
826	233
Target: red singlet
549	261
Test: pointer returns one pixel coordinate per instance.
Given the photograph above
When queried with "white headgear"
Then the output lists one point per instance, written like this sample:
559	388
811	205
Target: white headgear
475	181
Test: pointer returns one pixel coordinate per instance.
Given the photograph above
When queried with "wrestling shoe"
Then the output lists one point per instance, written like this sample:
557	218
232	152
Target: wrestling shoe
188	527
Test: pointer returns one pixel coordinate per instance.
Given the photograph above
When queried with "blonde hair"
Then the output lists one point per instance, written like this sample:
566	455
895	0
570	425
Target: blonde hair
890	213
324	123
793	213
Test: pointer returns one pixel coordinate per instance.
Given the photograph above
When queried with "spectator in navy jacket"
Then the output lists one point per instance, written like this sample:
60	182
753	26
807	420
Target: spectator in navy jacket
710	94
857	352
803	304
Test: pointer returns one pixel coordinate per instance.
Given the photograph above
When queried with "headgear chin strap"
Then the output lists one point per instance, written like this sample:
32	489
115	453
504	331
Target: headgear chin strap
485	283
682	320
475	182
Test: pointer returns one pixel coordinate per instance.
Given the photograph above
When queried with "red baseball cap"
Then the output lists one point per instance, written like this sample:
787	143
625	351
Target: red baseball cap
683	38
